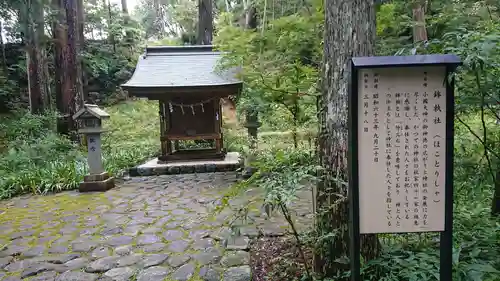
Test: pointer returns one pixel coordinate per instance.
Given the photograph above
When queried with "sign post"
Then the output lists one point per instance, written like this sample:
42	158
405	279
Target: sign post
401	112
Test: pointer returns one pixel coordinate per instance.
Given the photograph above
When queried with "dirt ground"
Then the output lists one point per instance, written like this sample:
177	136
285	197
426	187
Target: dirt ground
277	259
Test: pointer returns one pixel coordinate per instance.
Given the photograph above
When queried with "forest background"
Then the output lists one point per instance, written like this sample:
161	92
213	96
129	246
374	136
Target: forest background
57	53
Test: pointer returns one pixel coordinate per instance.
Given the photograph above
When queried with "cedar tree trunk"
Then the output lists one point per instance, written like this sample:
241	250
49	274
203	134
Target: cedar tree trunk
205	22
33	20
349	31
419	28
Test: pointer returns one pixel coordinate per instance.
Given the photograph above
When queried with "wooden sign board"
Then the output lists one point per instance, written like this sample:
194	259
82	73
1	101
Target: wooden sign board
401	113
401	149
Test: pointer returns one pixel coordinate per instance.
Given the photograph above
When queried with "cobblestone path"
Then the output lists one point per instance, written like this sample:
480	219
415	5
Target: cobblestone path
146	229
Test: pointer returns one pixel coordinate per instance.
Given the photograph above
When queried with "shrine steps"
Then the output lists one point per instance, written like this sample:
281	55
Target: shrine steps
231	162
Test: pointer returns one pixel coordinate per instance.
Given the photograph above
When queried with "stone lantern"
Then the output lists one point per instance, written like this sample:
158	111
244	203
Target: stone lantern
90	117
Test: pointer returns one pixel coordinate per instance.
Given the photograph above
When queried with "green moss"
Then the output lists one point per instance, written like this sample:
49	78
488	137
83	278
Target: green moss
56	205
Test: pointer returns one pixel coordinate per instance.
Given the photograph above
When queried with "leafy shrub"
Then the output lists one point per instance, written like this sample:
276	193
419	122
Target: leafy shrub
35	159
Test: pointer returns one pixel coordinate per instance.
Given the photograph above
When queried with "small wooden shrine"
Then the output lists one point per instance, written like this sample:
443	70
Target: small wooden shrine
189	88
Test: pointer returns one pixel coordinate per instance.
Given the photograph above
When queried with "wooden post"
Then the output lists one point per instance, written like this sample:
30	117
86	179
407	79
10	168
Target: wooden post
217	122
162	127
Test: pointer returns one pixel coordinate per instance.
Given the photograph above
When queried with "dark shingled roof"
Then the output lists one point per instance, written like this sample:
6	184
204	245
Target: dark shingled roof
180	66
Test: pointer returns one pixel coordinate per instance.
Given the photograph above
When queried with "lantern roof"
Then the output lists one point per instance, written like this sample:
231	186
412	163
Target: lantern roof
90	110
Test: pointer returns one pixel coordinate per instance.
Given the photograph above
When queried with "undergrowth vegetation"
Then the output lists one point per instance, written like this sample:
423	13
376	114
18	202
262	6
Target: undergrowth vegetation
284	172
467	28
38	160
280	60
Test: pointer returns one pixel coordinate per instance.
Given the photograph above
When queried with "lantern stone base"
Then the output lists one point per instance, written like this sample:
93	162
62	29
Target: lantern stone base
97	182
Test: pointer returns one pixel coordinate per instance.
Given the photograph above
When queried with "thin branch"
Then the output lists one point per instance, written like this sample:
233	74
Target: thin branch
478	137
288	218
307	7
478	83
269	87
264	18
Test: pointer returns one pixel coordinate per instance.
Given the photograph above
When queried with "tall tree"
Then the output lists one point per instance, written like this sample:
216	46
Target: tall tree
205	22
126	21
419	27
111	36
349	31
33	18
63	87
124	7
81	40
159	20
68	64
2	46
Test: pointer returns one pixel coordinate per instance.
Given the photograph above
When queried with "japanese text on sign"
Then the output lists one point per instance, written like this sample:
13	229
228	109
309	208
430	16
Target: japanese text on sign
401	149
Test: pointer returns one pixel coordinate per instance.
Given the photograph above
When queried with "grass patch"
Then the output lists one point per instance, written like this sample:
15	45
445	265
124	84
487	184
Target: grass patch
35	159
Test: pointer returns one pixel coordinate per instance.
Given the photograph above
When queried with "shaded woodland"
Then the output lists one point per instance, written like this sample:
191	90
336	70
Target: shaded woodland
294	56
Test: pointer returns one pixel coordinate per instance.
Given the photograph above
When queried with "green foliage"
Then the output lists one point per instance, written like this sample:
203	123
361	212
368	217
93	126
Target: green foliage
162	19
467	28
35	159
7	92
109	62
279	64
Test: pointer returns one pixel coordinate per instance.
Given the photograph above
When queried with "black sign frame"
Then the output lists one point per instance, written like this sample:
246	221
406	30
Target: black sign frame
451	62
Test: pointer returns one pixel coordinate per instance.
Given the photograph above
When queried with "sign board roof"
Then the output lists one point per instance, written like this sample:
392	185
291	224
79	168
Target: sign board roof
405	61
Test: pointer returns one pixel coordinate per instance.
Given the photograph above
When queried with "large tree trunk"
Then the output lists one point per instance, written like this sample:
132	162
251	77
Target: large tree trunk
81	37
41	52
159	19
126	20
63	86
419	28
349	31
34	24
124	7
111	36
205	22
68	65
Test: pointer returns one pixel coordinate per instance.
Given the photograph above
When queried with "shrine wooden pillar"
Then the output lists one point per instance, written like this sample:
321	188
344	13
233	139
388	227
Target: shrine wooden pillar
162	128
217	122
166	144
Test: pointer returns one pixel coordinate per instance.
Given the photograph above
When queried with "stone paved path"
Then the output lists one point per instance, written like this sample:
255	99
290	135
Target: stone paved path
146	229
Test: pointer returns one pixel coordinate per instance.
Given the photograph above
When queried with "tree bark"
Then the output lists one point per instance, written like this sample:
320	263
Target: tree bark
205	22
159	19
81	42
126	20
349	31
124	7
495	204
34	24
419	26
41	52
4	58
69	79
63	87
111	36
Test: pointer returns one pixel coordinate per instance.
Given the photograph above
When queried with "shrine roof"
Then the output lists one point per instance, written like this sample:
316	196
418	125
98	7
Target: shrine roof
180	67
